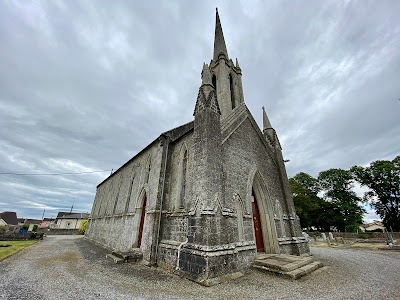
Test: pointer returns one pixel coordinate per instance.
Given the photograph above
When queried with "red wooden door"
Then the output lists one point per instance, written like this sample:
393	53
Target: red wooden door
257	226
139	241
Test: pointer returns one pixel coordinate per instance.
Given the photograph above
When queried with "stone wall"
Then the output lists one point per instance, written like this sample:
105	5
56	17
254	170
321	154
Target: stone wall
174	174
365	235
119	199
245	154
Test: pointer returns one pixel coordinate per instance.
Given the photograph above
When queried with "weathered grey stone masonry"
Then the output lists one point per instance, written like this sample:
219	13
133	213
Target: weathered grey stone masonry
221	181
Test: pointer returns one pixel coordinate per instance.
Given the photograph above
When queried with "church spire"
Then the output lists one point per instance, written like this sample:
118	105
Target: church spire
266	122
219	41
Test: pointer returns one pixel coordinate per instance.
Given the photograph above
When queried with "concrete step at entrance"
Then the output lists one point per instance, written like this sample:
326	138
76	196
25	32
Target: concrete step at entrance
134	255
307	269
289	266
114	258
284	262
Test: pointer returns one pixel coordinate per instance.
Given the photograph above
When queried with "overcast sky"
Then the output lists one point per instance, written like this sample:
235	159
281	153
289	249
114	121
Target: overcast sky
85	85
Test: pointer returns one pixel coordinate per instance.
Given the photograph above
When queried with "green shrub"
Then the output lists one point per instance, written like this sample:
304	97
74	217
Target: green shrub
26	227
352	228
84	224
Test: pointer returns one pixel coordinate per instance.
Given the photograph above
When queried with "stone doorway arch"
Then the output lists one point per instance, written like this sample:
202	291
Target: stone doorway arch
262	202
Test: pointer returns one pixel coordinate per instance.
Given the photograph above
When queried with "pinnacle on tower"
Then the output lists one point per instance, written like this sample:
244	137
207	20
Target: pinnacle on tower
206	97
219	41
266	122
206	75
237	63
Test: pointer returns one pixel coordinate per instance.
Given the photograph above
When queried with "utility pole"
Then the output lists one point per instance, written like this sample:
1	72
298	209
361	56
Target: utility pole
72	205
43	214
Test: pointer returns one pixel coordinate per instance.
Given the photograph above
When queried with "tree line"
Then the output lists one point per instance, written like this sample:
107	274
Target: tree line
330	201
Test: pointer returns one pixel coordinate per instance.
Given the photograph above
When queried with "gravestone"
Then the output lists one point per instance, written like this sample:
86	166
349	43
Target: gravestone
30	227
331	236
323	235
306	236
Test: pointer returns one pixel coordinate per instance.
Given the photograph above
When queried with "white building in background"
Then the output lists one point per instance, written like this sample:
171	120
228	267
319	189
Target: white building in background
375	225
70	221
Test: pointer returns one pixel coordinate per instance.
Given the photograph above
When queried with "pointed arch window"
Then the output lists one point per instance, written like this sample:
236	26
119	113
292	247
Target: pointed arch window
128	199
232	91
147	171
214	82
239	215
183	180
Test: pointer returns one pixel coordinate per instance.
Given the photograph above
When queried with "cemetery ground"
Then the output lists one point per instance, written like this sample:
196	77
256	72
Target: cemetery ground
70	267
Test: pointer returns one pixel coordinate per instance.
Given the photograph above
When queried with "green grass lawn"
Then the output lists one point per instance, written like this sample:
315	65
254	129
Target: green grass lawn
14	248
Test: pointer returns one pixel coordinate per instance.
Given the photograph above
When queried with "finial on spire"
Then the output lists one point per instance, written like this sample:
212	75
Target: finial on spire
219	41
266	123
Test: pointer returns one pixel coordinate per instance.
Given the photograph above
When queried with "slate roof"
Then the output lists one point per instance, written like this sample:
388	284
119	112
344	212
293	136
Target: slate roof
10	217
29	221
62	214
174	134
75	216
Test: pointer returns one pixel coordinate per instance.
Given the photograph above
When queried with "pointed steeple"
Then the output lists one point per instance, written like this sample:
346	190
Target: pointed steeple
219	41
266	122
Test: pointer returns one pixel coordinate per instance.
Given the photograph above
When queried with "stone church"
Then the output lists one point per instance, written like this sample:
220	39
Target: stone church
206	197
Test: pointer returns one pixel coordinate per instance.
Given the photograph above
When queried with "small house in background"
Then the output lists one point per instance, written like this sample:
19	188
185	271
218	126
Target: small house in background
47	223
8	218
376	225
60	215
22	221
70	221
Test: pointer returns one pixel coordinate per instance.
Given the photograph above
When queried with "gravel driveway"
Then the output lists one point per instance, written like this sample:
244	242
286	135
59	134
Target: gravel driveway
69	267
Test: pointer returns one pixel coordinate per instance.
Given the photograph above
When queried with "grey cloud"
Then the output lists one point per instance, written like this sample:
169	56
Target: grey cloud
92	83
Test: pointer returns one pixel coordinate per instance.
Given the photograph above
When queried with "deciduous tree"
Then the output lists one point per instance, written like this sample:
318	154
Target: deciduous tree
382	178
311	209
337	185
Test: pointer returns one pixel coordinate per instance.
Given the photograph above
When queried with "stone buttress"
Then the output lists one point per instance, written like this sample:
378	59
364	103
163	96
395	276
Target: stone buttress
206	256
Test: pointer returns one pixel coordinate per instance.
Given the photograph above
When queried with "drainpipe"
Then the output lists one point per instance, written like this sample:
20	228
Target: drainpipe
161	202
182	244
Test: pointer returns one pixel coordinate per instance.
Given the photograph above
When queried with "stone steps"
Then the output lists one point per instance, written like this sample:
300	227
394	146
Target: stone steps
289	266
114	258
134	255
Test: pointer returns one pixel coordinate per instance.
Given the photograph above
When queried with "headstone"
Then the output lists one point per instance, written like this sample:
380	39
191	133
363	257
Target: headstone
331	236
306	236
323	235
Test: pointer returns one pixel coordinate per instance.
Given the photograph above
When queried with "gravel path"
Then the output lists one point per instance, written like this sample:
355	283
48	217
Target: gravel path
69	267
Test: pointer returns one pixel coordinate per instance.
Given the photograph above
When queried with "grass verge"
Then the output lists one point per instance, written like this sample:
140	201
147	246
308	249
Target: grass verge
15	247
